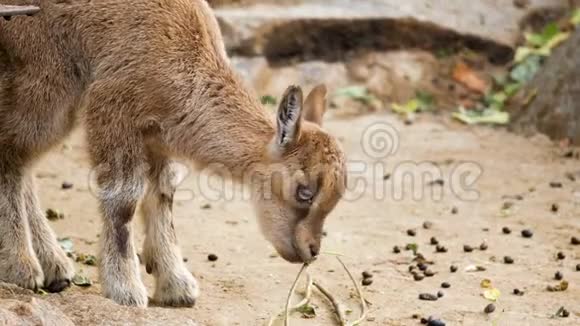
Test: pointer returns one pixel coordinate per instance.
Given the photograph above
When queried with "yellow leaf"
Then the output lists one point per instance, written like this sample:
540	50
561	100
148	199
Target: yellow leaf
554	42
486	284
575	20
522	53
492	294
410	107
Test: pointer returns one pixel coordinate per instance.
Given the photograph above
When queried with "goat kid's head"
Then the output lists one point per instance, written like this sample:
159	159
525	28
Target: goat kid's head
303	179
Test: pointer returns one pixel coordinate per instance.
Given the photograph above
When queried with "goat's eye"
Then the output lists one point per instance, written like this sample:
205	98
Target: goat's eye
304	194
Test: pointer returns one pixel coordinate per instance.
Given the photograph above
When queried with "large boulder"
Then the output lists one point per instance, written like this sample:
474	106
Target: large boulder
20	307
555	110
330	29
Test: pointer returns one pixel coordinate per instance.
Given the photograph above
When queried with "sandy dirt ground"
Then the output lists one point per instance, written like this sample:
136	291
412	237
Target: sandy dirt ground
248	284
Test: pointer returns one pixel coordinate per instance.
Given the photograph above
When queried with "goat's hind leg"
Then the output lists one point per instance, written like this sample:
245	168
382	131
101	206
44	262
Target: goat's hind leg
175	286
18	262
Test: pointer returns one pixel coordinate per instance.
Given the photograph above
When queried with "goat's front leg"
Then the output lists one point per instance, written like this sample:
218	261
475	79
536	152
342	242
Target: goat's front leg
120	168
18	262
57	267
119	266
175	286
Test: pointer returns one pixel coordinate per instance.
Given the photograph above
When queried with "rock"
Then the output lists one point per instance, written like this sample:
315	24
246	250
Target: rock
554	109
31	311
73	307
330	29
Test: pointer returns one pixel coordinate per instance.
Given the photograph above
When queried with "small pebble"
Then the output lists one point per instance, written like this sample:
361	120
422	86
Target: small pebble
422	266
555	208
518	292
367	274
506	230
424	321
565	313
490	308
578	268
483	246
387	176
440	294
418	277
67	185
575	241
507	205
561	255
367	281
206	206
415	316
411	232
559	276
396	249
429	273
441	249
454	210
527	233
212	257
445	285
411	268
453	268
467	248
427	297
508	260
555	184
435	322
185	259
427	225
434	241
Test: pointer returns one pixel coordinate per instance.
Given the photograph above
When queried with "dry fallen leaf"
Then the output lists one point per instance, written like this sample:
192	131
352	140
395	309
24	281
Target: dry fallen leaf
486	284
492	294
563	286
469	78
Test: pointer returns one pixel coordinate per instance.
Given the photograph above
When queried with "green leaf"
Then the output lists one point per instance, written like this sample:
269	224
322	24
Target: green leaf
357	93
488	116
425	99
307	311
268	100
511	89
81	280
540	39
66	244
422	102
575	19
526	70
90	260
414	247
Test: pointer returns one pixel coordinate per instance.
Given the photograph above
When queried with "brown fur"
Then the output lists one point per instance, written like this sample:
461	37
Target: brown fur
151	81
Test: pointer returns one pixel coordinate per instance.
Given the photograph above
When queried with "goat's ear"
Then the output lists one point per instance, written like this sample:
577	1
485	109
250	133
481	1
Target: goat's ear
289	117
315	105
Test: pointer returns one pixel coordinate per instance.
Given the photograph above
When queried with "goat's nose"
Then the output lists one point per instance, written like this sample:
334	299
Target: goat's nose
314	250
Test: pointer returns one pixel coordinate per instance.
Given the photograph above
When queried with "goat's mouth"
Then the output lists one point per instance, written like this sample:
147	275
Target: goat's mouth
297	254
290	252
